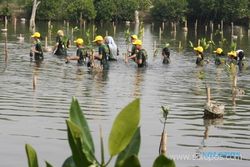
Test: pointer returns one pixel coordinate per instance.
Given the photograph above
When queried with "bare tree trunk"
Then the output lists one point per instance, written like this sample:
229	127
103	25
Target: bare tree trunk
137	17
33	15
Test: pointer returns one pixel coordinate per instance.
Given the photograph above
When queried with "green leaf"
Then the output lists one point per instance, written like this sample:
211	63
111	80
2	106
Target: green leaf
48	164
31	155
124	127
163	161
132	149
69	162
74	137
77	117
132	161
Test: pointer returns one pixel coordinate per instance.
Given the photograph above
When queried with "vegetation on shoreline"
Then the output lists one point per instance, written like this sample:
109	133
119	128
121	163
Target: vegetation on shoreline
123	10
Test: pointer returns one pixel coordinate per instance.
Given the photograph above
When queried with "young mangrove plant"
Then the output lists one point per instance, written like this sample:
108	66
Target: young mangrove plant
123	142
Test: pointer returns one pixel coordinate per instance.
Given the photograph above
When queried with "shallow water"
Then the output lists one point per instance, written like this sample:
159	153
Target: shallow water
38	116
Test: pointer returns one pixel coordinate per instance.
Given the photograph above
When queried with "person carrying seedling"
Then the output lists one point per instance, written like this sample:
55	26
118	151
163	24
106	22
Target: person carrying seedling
200	55
103	52
219	54
62	43
36	50
81	53
141	55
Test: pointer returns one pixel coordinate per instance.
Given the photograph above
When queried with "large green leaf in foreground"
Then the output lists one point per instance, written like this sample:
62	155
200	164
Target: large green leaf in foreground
31	155
77	117
74	137
132	149
124	127
163	161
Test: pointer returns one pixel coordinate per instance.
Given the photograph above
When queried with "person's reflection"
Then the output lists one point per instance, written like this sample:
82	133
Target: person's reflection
100	78
199	83
138	79
36	69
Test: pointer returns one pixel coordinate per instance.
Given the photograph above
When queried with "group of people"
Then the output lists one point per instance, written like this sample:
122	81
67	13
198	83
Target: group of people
233	57
107	50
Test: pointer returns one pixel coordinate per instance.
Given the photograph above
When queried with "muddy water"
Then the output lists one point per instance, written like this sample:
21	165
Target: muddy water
38	116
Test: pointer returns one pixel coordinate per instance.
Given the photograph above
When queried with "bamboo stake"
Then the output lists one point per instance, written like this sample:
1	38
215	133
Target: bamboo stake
160	33
208	95
46	42
5	49
15	24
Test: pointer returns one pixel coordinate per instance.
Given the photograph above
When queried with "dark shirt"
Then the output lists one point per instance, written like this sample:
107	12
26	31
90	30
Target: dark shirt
199	60
82	54
104	51
166	55
38	47
142	55
63	44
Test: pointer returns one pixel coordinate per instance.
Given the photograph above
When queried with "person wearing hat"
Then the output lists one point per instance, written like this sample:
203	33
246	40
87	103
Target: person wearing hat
232	57
103	52
219	54
81	52
166	54
200	56
62	43
36	50
113	49
133	50
141	55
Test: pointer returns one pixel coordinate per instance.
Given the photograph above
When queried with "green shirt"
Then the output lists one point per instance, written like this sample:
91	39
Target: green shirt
63	43
38	47
104	51
82	54
133	50
142	55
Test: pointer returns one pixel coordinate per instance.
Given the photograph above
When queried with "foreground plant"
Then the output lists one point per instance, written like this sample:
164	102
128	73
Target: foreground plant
123	142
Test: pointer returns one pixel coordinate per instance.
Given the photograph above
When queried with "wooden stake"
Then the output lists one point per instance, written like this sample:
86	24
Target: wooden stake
114	30
160	33
232	26
46	42
179	44
221	25
208	95
15	24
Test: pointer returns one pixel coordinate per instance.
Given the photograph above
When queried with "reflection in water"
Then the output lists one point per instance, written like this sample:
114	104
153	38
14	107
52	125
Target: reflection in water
137	82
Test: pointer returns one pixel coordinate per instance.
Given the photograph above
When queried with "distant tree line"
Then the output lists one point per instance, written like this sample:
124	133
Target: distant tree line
119	10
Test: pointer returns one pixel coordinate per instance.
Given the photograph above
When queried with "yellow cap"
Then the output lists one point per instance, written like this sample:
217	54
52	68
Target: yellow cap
79	41
137	42
36	35
134	36
98	38
199	49
232	53
60	33
218	51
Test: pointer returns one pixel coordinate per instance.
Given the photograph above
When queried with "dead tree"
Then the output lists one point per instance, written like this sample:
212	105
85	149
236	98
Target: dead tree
33	15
